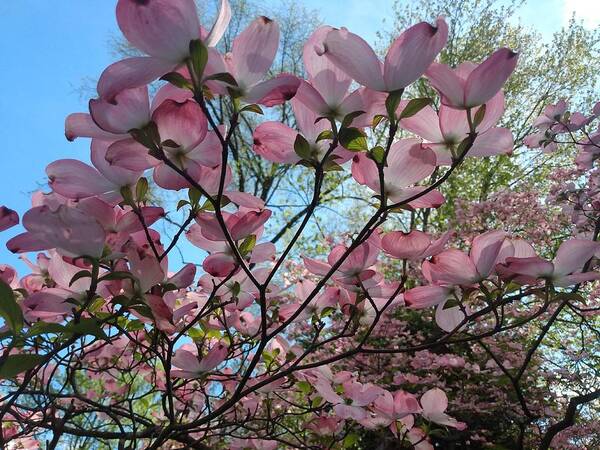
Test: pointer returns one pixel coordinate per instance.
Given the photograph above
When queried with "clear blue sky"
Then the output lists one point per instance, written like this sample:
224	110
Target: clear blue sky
50	48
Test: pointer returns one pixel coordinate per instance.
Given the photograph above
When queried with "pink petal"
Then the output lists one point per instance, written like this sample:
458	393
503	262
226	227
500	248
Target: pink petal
131	73
118	176
425	124
448	318
222	21
219	264
127	110
485	250
350	412
432	199
214	357
408	163
8	218
183	123
447	83
355	57
27	242
75	179
274	141
573	254
413	52
494	109
315	266
245	199
426	296
170	92
405	245
452	267
129	154
495	141
207	152
70	230
489	77
575	278
328	80
311	99
249	223
82	125
183	278
274	91
434	401
254	50
160	28
532	267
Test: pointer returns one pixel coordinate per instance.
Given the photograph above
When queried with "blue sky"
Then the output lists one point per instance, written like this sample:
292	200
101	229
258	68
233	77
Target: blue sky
51	49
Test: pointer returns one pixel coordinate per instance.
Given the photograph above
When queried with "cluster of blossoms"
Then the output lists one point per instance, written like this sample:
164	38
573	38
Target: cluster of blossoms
103	328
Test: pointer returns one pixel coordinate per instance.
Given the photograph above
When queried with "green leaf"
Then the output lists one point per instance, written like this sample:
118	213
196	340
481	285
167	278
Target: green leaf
79	275
378	154
248	244
181	204
236	288
252	108
479	115
463	146
414	106
194	195
392	102
117	275
348	118
9	309
302	147
222	76
15	364
87	326
127	195
350	440
45	328
198	56
304	387
377	120
141	189
325	134
177	80
353	139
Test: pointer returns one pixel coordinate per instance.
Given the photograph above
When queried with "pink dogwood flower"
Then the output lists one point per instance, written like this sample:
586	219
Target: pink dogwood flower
434	402
414	245
356	267
70	230
469	85
407	164
407	59
190	365
274	141
162	29
326	90
453	267
249	61
444	131
564	270
76	180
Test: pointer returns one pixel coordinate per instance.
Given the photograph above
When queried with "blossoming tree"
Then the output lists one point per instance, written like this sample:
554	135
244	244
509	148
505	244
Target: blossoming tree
266	348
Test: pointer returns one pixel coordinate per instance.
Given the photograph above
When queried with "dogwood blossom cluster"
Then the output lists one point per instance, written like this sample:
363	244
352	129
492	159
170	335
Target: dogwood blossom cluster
104	338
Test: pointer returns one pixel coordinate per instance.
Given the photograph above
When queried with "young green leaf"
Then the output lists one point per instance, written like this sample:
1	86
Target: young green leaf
199	57
9	309
302	147
353	139
15	364
414	106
